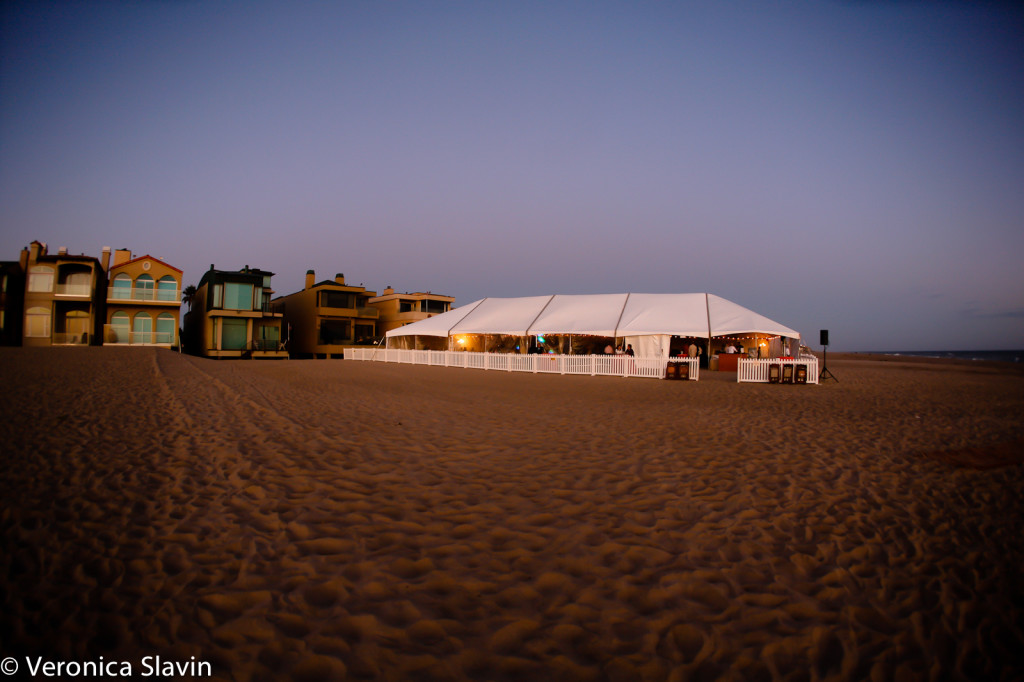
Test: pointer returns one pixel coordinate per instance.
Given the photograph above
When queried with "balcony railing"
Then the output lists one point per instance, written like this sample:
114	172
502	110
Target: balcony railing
142	294
121	336
70	339
74	290
265	345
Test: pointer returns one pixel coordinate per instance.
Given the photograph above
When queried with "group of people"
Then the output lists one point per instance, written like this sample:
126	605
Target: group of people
618	350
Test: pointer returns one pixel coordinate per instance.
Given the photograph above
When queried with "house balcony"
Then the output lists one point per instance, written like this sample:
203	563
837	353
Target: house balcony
357	313
74	290
159	296
70	339
120	336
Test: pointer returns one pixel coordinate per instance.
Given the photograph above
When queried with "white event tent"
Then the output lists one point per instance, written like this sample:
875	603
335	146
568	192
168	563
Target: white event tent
647	321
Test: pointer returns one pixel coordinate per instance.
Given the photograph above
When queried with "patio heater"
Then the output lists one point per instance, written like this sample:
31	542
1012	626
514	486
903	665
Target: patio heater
825	374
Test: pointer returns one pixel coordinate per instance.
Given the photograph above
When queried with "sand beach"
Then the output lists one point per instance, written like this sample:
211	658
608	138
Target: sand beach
331	520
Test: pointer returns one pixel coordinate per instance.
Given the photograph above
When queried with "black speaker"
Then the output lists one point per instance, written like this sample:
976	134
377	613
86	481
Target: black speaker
824	337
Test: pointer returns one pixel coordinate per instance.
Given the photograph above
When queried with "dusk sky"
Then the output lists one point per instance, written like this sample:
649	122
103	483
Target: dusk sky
854	166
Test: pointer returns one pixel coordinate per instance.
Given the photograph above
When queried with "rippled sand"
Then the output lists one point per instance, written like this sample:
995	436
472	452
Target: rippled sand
322	520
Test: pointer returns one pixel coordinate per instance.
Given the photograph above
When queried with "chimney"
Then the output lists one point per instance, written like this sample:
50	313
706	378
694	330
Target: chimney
310	279
388	291
105	259
35	250
339	278
122	256
62	251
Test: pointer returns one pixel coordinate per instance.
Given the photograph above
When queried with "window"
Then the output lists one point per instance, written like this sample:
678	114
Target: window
218	296
233	334
142	328
167	289
434	307
336	299
37	322
120	325
334	331
270	337
76	327
164	328
40	278
237	296
122	288
406	306
144	288
78	283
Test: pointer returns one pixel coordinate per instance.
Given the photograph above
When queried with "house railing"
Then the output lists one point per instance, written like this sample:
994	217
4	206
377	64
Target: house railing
121	336
143	294
759	370
266	345
74	290
70	339
594	365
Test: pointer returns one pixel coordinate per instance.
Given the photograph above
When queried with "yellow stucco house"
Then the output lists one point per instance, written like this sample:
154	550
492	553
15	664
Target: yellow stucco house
63	297
398	310
326	316
143	301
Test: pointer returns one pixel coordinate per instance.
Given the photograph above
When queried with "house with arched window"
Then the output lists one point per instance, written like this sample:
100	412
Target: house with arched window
143	302
63	297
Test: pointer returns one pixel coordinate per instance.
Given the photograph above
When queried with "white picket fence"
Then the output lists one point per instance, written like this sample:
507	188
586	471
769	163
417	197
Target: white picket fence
594	365
758	370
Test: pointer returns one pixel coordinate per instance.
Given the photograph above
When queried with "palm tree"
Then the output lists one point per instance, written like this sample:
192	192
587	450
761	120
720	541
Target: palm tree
188	295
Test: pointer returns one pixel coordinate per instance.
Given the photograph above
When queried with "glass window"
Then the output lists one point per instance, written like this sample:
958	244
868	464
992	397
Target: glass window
218	295
167	289
122	288
37	322
144	288
40	278
164	328
435	306
405	306
336	299
334	331
237	296
120	325
233	334
142	328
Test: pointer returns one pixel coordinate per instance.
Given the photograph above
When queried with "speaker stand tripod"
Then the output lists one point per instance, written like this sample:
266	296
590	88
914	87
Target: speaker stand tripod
825	374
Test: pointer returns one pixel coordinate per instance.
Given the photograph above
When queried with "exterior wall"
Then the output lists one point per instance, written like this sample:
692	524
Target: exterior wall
138	302
64	297
316	326
211	323
392	316
12	298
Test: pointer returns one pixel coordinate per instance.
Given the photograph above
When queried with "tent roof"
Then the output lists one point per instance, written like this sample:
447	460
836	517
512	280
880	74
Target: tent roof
600	315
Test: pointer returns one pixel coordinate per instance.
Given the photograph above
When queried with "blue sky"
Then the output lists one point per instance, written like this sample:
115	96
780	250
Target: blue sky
855	166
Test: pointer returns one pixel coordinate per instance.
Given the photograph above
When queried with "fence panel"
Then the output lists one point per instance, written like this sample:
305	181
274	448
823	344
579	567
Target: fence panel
598	365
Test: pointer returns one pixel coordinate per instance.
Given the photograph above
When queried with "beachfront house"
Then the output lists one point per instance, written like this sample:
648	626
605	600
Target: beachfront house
63	298
398	310
231	317
143	301
326	316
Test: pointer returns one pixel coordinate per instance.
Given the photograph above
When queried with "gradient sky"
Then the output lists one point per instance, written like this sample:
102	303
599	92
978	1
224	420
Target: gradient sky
855	166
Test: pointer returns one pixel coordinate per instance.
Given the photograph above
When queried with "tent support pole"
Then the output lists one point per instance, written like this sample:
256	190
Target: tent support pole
707	308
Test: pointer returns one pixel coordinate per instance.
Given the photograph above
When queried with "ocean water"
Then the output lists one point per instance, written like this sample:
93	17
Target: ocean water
990	355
